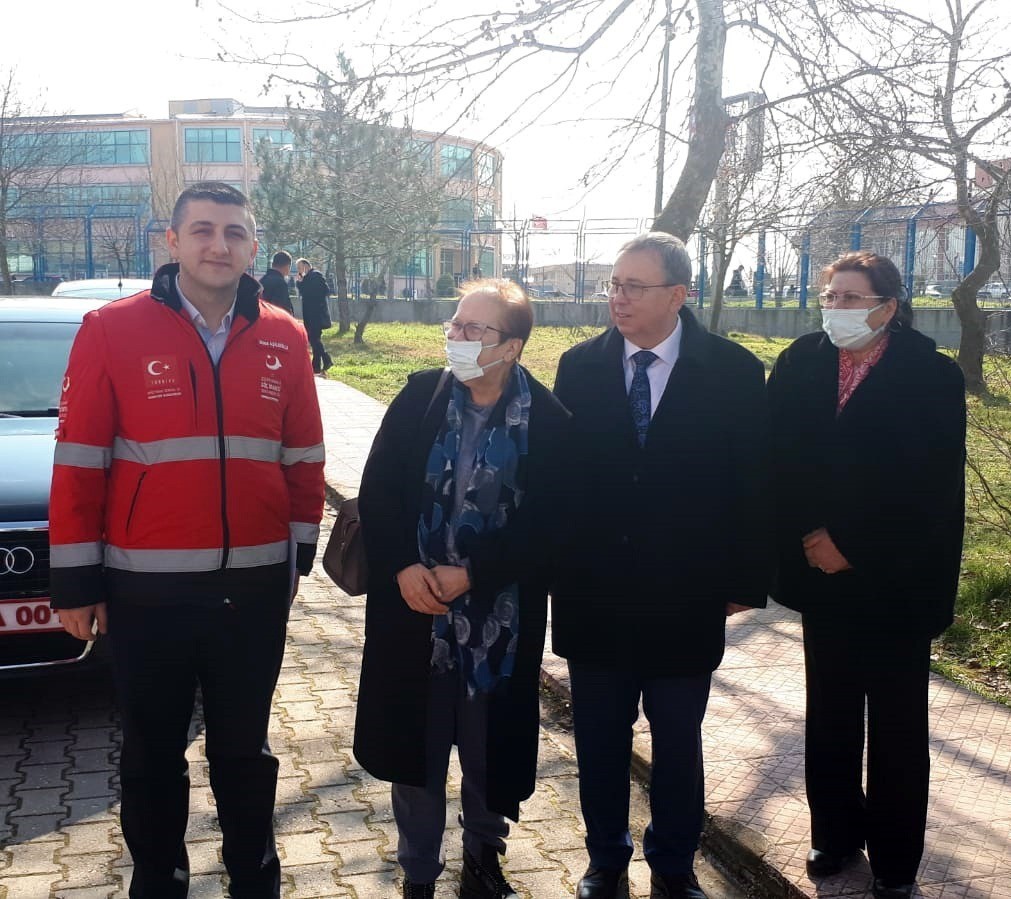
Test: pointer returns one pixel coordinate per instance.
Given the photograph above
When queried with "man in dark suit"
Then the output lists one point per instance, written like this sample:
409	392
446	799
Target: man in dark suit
275	282
665	530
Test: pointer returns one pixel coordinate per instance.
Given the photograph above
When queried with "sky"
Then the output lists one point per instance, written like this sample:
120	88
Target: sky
136	57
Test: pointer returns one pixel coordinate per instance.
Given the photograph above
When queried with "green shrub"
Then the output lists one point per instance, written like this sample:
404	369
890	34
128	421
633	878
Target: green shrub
445	286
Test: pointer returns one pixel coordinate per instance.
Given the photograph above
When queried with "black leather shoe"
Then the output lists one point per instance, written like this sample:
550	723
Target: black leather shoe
418	890
899	891
825	864
677	886
482	878
603	883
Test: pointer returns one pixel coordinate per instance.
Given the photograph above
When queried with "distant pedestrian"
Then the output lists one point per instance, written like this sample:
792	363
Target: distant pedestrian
666	523
456	507
187	487
869	447
737	288
313	290
275	282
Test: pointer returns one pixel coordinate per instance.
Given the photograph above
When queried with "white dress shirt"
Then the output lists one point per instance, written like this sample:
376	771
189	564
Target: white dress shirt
215	342
667	352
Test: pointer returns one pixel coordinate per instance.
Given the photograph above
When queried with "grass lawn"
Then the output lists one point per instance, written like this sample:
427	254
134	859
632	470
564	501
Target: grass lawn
976	650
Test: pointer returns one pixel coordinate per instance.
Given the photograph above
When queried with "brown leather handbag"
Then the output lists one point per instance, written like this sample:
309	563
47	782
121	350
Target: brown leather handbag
344	558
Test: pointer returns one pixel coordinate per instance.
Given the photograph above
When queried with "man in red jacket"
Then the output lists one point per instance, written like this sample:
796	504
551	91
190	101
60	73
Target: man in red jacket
187	490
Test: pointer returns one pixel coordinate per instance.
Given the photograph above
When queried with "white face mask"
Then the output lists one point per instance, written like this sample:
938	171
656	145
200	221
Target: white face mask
848	328
462	358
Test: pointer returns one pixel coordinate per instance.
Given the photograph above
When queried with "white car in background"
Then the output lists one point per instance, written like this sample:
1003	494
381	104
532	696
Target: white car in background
102	288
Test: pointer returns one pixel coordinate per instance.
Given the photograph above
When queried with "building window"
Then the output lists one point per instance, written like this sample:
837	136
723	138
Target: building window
422	152
280	138
485	214
69	148
457	162
69	200
457	214
446	257
213	144
486	170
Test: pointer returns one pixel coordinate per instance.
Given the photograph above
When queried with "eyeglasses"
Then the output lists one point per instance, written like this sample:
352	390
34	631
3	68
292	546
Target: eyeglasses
844	300
632	291
470	330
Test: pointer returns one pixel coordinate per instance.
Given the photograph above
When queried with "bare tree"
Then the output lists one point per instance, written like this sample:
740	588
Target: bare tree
352	185
33	160
943	97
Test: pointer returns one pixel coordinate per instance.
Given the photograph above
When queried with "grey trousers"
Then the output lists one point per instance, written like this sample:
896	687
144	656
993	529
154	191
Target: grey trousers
420	812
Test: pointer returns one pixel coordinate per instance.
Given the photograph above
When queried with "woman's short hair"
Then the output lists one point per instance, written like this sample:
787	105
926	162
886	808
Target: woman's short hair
517	311
885	278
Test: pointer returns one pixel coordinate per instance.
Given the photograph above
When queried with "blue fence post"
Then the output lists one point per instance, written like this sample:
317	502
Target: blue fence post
760	272
855	236
703	247
805	267
910	255
89	249
969	253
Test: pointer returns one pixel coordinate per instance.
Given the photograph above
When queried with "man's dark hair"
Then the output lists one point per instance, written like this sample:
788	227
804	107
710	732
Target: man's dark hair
216	192
677	265
281	259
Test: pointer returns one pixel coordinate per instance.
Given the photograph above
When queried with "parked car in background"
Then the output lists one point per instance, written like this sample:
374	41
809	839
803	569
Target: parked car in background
995	290
937	290
102	288
35	338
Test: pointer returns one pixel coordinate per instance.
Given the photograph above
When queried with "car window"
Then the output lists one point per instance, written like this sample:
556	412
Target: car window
33	358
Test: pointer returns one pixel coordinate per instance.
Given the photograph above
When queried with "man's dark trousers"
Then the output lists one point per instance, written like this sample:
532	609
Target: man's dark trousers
160	655
605	705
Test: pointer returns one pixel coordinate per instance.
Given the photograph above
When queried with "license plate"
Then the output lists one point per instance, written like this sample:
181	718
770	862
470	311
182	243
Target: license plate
24	615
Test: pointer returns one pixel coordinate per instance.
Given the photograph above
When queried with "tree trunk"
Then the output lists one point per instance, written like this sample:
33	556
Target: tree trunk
716	306
972	344
707	129
5	268
341	279
364	318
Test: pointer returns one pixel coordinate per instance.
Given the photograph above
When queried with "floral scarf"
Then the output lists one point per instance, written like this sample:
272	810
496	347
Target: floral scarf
477	636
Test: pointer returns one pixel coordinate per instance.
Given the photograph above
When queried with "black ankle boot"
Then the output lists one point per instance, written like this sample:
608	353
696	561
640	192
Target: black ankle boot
418	890
482	877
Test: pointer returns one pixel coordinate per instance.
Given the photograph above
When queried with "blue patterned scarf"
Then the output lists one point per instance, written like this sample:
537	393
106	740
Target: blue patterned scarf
478	637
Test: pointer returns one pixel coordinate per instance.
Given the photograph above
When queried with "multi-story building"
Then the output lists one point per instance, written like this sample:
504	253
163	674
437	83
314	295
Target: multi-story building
102	206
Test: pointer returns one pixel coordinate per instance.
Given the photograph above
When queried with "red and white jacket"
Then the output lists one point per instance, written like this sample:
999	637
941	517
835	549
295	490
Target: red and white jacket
175	480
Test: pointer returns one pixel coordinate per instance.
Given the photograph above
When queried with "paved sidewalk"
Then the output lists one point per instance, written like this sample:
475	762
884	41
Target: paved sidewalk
754	741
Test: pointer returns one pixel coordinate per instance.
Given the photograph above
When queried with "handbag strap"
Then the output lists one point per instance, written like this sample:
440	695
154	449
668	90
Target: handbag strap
438	389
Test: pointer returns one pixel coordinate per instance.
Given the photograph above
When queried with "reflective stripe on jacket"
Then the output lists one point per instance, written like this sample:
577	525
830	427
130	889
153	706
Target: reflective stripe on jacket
168	464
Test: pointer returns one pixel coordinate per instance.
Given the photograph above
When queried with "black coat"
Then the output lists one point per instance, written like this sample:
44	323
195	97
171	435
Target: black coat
314	291
659	539
275	290
392	700
886	478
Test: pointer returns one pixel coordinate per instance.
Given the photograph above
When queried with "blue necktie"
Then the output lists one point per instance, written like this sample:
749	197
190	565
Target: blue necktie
638	395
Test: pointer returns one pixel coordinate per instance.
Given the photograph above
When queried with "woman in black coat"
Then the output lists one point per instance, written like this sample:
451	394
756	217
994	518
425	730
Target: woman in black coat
455	505
869	447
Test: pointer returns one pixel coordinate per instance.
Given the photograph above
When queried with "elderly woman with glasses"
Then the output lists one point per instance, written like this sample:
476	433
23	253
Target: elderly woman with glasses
455	505
869	447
